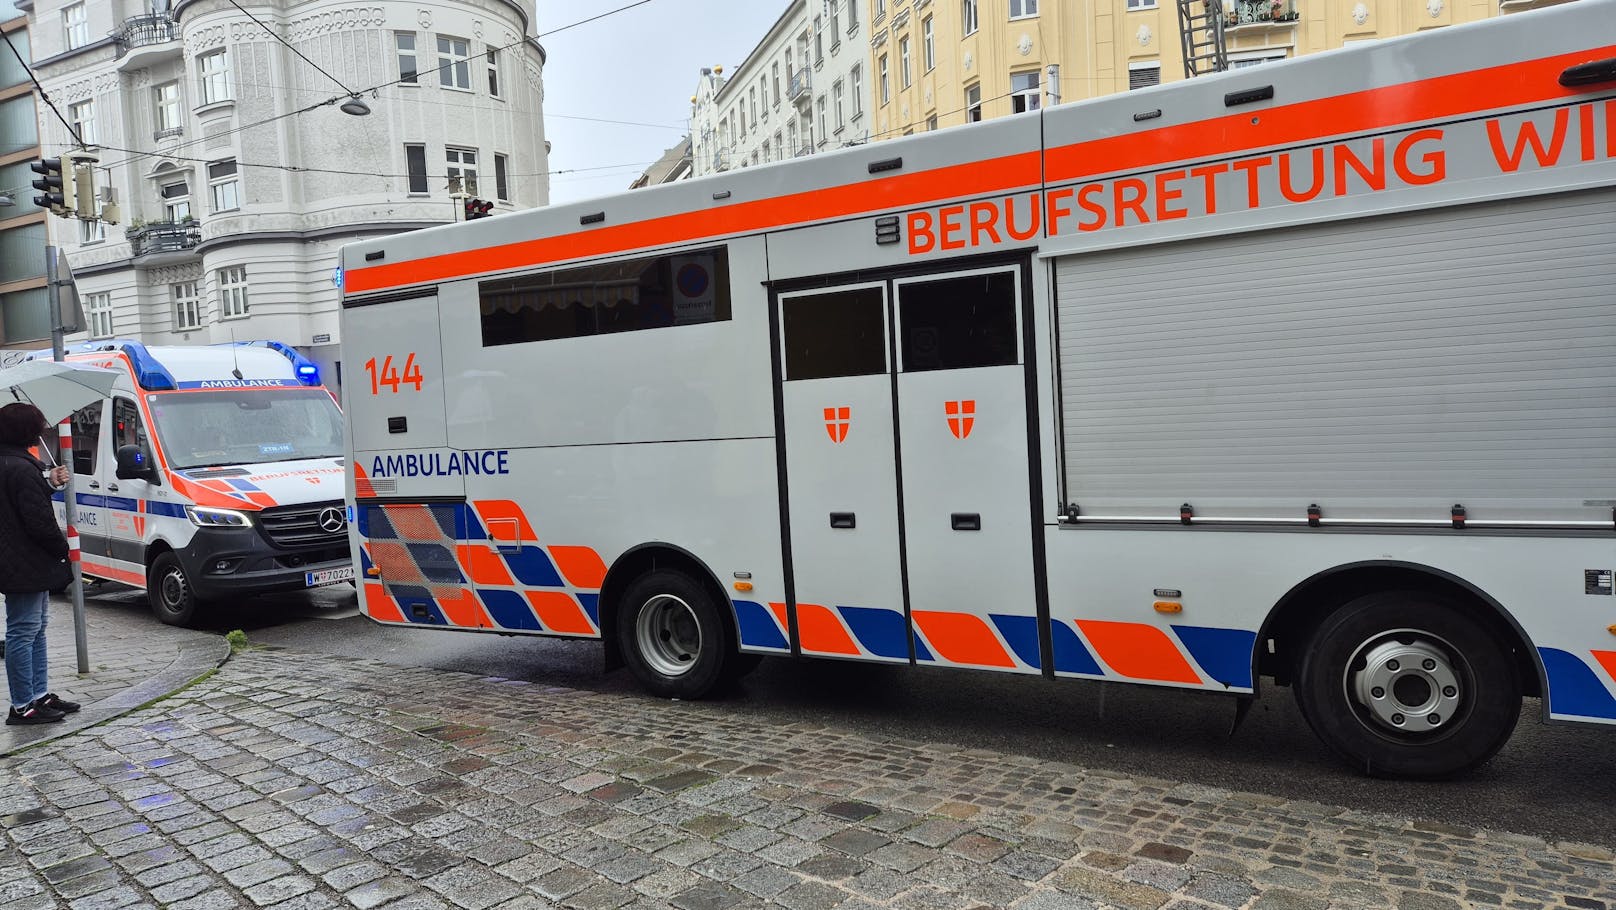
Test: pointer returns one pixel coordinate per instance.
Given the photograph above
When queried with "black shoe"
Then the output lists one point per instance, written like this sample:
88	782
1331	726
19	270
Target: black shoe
34	714
56	703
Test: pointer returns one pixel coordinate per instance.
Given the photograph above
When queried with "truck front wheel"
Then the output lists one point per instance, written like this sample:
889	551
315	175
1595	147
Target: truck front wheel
1408	684
672	635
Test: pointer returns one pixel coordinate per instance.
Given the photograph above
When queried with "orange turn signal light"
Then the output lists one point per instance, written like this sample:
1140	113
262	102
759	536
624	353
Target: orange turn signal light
743	586
1611	629
1169	606
374	571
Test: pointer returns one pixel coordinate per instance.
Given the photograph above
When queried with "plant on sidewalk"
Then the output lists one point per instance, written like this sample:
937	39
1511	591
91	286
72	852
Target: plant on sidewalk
237	640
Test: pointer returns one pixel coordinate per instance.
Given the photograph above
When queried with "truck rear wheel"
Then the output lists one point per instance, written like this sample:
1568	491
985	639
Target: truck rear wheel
672	636
169	592
1407	684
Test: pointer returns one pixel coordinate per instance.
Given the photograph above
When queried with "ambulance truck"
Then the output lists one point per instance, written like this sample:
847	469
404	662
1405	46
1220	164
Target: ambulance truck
1301	372
212	473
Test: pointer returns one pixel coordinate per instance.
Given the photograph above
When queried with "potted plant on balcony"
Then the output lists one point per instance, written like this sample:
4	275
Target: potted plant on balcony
135	227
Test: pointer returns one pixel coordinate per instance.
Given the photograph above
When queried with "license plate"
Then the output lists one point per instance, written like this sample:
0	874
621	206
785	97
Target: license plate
328	576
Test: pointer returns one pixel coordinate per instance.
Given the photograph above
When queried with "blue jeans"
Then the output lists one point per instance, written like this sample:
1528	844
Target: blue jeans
25	646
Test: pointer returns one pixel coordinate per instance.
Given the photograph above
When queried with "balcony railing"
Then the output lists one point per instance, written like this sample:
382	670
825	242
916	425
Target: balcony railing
1259	12
798	86
164	237
149	28
720	163
804	151
170	133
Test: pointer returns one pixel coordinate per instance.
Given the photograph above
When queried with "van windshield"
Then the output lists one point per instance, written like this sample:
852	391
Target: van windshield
203	429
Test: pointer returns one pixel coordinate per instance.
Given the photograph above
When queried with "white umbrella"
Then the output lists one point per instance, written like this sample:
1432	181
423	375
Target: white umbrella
56	388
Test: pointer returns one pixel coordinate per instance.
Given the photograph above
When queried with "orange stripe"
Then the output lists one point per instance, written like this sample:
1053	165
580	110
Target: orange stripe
558	612
461	608
483	565
961	638
582	567
781	614
492	510
821	632
1138	651
1442	97
1607	659
973	178
108	572
381	606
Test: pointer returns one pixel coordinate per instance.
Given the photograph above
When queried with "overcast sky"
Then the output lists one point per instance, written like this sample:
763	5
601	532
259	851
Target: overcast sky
641	65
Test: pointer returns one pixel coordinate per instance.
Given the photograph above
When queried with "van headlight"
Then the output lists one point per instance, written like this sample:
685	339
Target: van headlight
217	518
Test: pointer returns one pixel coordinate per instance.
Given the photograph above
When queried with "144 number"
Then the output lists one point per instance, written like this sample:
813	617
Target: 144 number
390	377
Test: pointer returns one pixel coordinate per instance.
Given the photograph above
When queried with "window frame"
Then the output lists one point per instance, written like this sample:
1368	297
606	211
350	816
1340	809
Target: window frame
172	201
213	82
76	25
973	108
1030	97
502	177
82	115
1028	9
454	65
412	76
905	69
970	18
410	182
459	167
98	313
183	304
159	106
838	92
217	185
928	44
886	92
232	293
492	59
855	78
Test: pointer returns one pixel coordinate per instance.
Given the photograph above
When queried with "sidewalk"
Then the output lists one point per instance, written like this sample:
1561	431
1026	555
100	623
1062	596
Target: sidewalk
133	659
297	781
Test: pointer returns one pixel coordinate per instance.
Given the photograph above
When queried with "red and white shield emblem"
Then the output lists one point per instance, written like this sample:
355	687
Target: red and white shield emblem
837	422
961	416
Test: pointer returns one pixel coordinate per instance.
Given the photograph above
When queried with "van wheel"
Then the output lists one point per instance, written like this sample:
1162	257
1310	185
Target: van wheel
672	636
169	592
1408	684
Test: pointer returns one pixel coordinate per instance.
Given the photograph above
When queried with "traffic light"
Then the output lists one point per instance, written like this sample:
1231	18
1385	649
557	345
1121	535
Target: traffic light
60	195
478	208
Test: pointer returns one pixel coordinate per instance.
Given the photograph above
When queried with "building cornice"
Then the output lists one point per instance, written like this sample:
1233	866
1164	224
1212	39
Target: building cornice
108	41
217	243
180	6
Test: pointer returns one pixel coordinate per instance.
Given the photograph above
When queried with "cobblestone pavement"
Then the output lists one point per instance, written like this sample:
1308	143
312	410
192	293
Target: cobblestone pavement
295	781
133	659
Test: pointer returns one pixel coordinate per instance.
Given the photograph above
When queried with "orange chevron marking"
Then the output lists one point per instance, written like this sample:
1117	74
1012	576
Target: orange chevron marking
1138	651
581	566
820	631
961	638
558	612
380	605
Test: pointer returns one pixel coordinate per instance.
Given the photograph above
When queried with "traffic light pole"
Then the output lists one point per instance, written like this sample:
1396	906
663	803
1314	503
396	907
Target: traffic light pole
81	638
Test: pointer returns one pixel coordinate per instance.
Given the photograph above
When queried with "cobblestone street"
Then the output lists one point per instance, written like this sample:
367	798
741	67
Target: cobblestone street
296	781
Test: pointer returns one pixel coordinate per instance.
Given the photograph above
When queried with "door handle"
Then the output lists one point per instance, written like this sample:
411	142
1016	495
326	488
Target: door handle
95	484
966	521
112	487
843	520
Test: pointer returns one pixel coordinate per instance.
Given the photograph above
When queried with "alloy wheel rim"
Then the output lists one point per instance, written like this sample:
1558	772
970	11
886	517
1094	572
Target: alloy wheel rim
668	635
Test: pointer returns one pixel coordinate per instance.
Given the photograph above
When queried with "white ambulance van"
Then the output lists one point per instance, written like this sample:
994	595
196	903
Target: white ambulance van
210	474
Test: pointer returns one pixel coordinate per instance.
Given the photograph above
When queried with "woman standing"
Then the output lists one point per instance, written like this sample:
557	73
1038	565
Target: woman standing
33	563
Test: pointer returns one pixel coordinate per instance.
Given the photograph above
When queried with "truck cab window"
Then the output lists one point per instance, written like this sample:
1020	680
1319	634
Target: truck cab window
86	438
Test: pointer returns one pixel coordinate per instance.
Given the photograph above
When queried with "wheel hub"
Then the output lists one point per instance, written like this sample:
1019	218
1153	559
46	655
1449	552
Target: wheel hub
172	589
668	635
1406	684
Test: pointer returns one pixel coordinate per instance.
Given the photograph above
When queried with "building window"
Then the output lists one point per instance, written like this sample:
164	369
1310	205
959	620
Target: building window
463	164
1022	8
852	15
836	96
886	92
232	292
415	168
454	63
973	103
968	17
92	231
880	8
408	73
855	79
213	77
176	201
1141	75
668	291
99	308
819	106
903	61
928	42
835	26
493	73
76	21
187	306
225	184
1141	4
753	95
502	179
776	69
1256	59
1024	93
82	116
166	101
819	39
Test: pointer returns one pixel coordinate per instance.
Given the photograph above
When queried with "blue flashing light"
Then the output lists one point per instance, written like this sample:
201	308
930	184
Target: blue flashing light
306	370
150	374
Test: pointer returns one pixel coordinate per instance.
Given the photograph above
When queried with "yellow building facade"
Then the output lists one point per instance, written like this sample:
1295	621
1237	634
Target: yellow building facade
938	63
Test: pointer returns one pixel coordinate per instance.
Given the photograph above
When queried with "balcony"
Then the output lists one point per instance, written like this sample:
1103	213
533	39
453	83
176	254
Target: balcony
797	89
149	28
1260	13
164	237
804	152
173	132
720	163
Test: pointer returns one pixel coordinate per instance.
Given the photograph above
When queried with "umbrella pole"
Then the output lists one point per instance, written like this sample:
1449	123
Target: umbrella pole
81	638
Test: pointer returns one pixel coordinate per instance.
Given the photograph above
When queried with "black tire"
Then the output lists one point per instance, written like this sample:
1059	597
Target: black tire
672	636
169	592
1408	684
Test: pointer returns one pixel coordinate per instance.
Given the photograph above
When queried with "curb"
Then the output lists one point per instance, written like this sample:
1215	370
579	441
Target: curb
193	662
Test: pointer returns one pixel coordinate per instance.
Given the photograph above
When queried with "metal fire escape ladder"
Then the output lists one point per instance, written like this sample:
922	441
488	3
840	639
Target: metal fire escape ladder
1200	28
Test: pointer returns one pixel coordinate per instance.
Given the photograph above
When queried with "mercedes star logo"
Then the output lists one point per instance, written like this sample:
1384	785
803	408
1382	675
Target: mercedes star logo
332	520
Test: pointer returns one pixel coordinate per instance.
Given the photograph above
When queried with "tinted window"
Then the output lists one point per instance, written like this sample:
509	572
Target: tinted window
623	296
840	333
86	438
955	323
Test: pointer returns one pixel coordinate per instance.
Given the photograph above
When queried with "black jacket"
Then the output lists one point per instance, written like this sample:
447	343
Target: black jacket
33	549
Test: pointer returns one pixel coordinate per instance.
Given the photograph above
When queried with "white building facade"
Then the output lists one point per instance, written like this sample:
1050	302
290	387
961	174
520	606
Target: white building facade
802	89
237	174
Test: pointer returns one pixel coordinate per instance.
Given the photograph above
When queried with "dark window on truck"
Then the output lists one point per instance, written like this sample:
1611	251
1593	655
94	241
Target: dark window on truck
957	323
838	333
